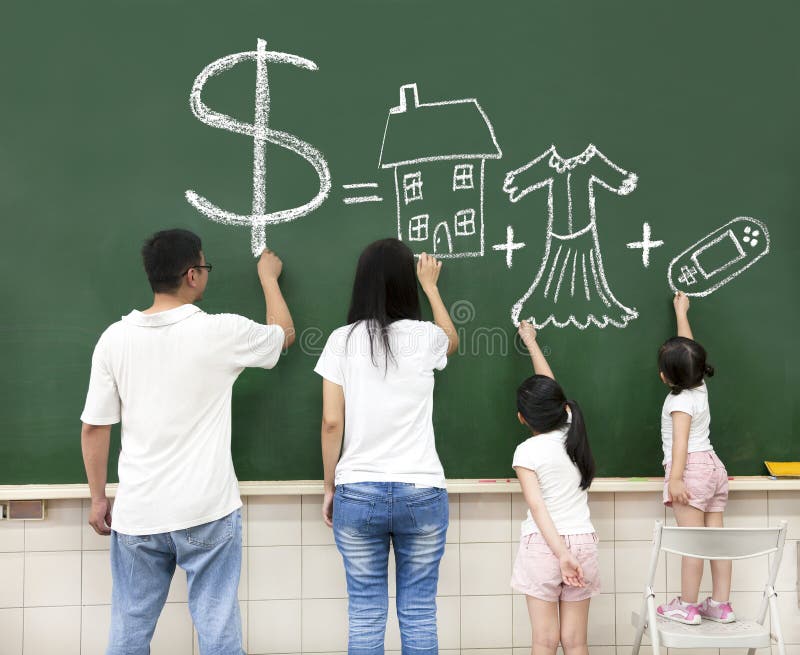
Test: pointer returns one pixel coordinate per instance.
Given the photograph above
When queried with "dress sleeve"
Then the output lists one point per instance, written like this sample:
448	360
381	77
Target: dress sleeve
530	177
612	177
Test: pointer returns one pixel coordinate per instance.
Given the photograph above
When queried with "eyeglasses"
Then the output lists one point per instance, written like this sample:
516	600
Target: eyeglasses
208	267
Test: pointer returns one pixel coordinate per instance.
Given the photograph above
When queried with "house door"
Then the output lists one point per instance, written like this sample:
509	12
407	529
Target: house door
442	241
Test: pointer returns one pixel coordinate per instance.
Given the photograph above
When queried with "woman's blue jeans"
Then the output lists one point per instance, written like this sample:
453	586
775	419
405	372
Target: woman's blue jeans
366	516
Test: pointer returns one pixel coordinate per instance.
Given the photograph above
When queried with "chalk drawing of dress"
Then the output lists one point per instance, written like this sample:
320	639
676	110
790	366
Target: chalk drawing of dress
570	286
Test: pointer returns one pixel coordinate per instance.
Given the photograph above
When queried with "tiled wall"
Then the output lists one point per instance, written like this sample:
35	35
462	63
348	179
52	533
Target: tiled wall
55	582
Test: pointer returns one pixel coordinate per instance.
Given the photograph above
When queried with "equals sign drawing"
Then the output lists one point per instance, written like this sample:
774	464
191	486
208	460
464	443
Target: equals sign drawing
361	187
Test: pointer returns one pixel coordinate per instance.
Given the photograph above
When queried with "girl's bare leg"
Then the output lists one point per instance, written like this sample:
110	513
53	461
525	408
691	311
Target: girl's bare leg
574	620
691	567
721	569
544	624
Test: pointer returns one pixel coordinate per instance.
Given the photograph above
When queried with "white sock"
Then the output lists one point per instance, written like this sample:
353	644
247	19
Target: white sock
716	603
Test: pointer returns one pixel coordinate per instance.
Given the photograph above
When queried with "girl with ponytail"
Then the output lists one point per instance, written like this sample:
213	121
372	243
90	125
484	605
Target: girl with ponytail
556	565
695	480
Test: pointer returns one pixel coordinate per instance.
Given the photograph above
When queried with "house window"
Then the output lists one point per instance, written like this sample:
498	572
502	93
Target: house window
465	222
462	177
418	228
412	187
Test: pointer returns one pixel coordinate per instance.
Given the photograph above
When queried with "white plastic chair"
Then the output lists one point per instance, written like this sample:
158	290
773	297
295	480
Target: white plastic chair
713	543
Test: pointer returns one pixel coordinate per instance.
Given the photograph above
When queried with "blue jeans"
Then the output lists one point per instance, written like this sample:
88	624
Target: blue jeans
142	568
366	515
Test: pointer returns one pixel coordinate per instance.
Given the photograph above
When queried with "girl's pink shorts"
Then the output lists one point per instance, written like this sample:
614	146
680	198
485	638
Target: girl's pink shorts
537	571
706	481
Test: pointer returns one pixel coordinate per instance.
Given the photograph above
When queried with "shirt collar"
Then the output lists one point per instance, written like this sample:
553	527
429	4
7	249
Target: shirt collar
160	319
562	164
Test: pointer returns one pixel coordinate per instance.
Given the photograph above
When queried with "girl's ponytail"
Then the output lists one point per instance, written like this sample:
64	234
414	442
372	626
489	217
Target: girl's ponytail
543	405
577	445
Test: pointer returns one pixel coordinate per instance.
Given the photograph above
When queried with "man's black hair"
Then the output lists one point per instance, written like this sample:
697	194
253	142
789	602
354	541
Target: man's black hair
167	255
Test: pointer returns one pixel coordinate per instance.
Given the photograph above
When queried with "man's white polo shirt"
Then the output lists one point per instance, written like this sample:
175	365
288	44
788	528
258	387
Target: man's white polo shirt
168	377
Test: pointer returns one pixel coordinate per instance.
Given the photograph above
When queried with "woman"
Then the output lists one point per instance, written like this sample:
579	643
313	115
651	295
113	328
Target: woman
388	484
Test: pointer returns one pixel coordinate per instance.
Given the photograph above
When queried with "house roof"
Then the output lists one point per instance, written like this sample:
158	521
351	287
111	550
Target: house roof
451	129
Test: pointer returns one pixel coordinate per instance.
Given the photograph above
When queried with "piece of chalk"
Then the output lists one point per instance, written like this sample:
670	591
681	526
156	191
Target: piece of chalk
637	479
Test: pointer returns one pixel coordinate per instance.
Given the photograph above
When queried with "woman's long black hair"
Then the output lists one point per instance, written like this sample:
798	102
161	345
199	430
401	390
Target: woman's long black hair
384	291
684	363
543	405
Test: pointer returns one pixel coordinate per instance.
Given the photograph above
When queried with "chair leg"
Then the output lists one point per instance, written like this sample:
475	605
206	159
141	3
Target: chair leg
637	640
655	638
776	623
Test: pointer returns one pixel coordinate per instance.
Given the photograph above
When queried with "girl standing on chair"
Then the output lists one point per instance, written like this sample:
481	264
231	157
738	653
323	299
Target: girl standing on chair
695	480
556	566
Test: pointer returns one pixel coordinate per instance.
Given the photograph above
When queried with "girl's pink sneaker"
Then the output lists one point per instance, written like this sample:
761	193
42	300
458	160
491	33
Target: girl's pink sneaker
713	611
676	610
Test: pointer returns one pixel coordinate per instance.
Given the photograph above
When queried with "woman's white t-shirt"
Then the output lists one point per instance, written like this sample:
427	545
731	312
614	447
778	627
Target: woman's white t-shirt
388	427
560	483
693	402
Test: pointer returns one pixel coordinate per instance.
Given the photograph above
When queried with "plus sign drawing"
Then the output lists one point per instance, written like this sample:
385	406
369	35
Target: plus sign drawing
646	245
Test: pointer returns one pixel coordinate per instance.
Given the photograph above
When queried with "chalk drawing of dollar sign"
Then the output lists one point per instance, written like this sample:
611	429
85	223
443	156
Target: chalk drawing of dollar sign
261	134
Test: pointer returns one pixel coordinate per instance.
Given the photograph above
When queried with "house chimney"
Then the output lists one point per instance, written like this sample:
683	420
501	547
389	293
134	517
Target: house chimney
408	97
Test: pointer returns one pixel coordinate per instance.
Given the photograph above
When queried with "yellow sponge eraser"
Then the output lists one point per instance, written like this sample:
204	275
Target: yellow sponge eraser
783	469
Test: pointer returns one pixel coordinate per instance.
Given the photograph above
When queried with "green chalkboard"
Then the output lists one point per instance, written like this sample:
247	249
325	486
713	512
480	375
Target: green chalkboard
698	101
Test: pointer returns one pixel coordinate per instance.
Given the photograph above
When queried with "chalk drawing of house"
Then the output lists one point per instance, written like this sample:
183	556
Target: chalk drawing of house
438	151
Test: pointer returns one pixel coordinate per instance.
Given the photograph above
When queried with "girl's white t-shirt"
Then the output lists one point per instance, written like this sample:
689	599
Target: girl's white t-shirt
693	402
388	427
559	480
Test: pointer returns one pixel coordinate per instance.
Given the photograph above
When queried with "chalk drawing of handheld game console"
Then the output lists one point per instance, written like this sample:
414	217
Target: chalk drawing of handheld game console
716	259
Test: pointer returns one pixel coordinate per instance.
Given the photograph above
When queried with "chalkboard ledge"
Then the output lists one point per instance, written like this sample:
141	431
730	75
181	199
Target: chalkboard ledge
314	487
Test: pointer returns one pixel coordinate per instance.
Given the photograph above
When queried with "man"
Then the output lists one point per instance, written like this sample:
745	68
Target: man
167	374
